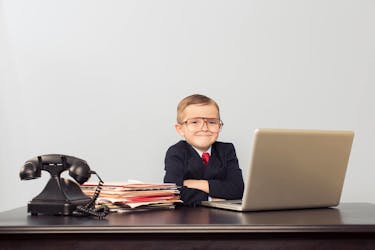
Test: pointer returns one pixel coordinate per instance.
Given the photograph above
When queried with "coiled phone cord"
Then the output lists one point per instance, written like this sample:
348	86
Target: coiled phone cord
89	208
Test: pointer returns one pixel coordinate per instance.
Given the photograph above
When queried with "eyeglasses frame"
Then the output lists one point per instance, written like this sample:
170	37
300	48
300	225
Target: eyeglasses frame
221	123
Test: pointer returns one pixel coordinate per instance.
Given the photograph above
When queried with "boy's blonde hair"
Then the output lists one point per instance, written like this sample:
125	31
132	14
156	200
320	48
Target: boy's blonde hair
191	100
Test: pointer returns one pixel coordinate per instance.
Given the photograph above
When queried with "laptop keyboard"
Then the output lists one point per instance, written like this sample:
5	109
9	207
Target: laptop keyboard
236	201
230	201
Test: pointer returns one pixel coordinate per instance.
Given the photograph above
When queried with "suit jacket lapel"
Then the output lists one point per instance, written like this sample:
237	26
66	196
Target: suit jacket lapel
214	165
195	164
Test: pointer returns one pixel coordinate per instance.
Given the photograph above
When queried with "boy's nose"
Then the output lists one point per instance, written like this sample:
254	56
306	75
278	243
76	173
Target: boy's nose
205	126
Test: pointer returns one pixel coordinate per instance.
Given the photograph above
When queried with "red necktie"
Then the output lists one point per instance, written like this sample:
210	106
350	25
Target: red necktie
205	158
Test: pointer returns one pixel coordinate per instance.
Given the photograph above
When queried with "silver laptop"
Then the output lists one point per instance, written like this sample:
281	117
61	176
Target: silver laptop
292	169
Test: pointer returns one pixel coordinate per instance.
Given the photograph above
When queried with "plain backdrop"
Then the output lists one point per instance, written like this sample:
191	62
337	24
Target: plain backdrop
101	80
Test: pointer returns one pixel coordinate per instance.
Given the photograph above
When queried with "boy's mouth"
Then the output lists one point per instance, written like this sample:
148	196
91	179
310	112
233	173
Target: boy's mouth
203	134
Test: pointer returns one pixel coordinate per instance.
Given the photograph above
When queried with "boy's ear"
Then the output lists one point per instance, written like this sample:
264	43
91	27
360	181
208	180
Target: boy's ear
179	129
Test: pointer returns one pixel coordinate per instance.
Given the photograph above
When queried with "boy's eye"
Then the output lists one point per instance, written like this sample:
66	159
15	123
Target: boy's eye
194	122
212	122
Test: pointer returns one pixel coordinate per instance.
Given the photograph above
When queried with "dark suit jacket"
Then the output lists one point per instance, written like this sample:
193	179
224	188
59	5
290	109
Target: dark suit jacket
224	176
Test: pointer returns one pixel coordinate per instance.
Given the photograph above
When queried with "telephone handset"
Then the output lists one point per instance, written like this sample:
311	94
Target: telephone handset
62	196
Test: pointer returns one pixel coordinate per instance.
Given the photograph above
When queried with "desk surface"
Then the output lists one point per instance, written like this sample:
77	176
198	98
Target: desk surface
346	218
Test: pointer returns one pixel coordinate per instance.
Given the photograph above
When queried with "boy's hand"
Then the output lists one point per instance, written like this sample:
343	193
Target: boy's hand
197	184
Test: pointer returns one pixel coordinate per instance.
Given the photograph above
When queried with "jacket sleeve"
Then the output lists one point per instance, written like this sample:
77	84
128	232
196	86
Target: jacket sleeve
174	173
232	185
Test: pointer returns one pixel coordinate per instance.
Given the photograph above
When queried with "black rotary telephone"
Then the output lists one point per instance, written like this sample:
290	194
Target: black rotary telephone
62	196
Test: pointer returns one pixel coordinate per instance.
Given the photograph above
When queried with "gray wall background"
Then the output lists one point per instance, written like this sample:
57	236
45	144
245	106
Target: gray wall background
100	80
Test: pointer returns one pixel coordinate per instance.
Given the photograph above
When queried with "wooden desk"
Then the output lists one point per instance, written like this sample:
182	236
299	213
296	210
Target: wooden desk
349	226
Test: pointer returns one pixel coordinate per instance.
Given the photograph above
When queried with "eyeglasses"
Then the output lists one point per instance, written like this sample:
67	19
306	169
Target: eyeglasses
196	124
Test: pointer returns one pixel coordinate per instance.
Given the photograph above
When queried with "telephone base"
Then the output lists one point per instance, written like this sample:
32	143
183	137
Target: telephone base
54	207
59	197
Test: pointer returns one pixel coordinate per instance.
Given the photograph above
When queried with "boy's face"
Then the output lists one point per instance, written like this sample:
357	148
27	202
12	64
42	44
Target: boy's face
203	137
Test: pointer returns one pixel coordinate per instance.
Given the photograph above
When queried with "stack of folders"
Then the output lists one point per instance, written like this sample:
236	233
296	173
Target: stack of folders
127	197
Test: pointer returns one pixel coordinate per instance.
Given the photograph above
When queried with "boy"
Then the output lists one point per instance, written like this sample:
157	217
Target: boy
202	166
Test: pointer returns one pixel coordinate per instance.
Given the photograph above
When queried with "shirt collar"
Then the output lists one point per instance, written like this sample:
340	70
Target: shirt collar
201	152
